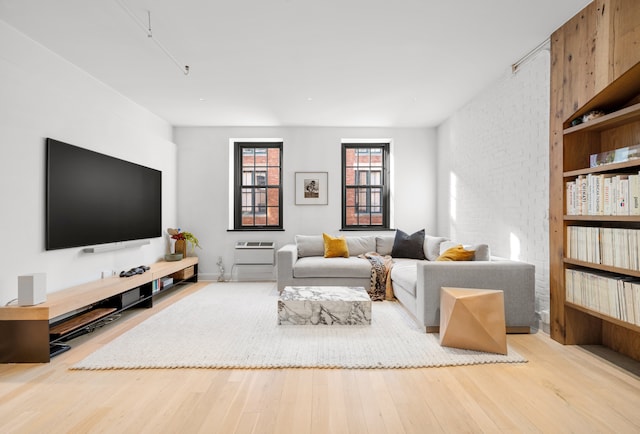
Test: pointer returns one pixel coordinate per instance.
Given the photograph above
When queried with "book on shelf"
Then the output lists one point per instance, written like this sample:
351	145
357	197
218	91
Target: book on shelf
607	293
603	194
614	247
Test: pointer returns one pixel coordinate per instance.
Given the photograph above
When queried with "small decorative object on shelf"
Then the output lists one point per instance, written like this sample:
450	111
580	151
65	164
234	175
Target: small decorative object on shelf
181	241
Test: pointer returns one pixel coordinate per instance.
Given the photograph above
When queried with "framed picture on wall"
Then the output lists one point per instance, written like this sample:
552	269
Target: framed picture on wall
311	188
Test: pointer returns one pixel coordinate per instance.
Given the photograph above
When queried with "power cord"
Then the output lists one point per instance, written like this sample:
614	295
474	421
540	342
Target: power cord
11	301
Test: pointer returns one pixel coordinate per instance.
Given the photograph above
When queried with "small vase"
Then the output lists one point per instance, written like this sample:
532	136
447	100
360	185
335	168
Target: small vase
181	247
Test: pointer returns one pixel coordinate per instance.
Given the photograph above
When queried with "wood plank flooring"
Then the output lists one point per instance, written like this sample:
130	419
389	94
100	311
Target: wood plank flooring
561	389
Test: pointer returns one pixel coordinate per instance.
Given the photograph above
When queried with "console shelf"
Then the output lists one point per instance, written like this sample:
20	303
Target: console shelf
26	332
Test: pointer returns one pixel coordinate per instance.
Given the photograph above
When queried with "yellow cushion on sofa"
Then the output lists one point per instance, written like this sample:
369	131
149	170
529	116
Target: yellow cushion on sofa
457	253
335	247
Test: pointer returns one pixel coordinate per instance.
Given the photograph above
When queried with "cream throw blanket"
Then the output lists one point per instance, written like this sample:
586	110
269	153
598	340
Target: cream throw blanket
381	288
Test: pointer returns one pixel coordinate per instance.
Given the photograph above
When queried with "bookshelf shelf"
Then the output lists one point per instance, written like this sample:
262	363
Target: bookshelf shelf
608	121
601	316
602	218
606	168
600	267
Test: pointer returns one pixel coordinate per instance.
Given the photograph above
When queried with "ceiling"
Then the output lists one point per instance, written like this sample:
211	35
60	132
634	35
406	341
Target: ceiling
386	63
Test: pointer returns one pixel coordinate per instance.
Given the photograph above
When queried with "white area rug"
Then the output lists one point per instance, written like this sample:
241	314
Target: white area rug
234	325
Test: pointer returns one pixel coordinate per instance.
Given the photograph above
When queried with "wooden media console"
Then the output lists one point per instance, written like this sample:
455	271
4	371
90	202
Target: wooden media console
28	333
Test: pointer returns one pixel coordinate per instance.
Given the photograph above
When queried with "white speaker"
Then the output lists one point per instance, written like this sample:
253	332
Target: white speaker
32	289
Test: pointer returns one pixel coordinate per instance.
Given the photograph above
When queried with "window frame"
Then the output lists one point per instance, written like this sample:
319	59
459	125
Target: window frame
239	185
383	149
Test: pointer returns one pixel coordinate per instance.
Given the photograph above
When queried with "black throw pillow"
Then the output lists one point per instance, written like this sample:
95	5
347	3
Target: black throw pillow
408	246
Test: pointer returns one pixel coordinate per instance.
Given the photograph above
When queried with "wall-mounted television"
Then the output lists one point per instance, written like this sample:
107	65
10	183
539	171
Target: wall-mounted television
92	198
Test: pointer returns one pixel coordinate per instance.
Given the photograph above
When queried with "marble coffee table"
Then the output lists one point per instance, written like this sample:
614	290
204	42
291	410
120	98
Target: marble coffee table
324	305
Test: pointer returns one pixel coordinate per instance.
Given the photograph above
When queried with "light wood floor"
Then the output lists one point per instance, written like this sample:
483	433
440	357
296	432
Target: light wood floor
561	389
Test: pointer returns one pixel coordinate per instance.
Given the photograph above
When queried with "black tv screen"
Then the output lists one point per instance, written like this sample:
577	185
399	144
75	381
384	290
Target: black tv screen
93	198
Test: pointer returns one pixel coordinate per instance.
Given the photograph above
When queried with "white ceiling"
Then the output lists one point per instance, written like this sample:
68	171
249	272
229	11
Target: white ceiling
404	63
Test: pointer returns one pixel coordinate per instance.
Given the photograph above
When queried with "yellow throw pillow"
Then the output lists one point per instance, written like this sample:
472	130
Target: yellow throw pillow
335	247
457	253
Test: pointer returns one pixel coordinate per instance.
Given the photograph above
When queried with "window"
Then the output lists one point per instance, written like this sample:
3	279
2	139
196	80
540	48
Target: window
258	186
365	185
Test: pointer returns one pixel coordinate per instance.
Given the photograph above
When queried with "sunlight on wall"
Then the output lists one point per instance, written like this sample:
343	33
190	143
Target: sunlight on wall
514	243
453	204
453	195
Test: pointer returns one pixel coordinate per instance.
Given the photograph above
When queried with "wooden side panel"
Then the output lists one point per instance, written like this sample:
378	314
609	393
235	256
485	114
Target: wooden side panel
556	188
625	37
580	41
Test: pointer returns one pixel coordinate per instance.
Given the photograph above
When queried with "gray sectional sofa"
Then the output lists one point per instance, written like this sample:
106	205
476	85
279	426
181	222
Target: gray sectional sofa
416	282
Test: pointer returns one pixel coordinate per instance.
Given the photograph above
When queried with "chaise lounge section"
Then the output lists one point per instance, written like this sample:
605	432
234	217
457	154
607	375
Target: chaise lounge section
416	282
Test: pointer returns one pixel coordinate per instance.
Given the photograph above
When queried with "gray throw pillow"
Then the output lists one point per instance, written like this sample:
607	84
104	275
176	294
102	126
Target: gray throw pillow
432	246
408	246
310	245
384	244
359	245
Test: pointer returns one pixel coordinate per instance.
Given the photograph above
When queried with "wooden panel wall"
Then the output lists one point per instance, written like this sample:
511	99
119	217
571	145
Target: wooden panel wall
588	52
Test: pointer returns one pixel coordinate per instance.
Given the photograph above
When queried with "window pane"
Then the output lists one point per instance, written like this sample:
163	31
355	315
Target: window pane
362	200
274	176
274	157
273	217
273	195
350	176
351	216
375	177
363	158
261	178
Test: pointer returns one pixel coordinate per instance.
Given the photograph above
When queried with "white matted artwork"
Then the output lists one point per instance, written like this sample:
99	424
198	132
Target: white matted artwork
311	188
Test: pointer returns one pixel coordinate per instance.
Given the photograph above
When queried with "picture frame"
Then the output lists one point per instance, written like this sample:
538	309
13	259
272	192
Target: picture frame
311	188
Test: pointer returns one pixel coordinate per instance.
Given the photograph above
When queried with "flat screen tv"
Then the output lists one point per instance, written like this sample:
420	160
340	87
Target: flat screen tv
93	198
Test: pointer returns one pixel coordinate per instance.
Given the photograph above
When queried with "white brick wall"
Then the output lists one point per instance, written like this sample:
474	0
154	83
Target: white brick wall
493	170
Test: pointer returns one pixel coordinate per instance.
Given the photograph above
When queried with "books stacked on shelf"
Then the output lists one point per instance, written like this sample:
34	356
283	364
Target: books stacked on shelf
615	247
607	293
160	284
604	194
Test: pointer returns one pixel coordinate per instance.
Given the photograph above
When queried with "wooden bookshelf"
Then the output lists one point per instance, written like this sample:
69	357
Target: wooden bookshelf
26	332
592	68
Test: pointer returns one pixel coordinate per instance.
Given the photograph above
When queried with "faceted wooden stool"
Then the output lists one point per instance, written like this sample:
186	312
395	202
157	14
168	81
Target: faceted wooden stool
473	319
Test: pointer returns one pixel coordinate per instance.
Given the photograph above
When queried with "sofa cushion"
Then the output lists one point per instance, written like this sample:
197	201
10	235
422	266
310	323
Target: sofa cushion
310	245
384	244
482	250
408	246
317	266
359	245
404	275
432	246
335	247
457	253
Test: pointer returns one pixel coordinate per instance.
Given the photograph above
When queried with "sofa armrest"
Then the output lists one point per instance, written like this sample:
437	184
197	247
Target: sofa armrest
515	279
286	258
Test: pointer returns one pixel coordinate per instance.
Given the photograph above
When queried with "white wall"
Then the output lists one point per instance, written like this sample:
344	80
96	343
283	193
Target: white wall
493	170
42	95
203	183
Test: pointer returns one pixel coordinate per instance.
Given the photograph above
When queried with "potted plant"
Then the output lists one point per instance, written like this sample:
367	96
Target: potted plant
181	241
